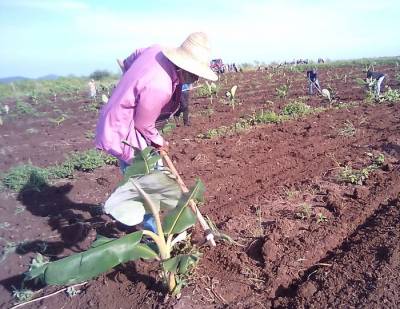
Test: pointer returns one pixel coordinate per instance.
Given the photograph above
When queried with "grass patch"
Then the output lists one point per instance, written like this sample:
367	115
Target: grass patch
290	111
30	177
26	177
358	176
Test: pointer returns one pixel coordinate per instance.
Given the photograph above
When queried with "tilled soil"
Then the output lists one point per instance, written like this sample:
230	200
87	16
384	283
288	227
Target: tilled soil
303	238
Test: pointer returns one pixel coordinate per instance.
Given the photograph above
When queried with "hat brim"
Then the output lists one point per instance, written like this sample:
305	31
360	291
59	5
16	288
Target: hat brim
185	61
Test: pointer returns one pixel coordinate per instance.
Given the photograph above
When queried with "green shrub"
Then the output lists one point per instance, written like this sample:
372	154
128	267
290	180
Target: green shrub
23	177
266	117
24	108
296	109
110	160
64	170
88	160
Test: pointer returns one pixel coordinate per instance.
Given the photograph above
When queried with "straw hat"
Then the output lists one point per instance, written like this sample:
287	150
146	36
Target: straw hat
193	56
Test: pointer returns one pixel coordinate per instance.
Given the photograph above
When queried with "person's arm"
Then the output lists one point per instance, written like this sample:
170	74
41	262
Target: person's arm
147	110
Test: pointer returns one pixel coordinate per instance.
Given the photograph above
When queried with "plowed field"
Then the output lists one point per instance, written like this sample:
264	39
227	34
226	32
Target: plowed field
304	238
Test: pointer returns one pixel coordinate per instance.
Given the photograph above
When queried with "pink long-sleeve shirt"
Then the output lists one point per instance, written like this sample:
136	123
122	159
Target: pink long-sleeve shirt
143	93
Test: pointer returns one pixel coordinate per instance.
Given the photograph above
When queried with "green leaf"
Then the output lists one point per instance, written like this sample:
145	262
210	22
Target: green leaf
101	240
180	264
91	263
127	205
143	163
182	217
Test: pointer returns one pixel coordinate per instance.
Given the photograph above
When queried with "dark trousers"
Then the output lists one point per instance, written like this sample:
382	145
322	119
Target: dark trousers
184	108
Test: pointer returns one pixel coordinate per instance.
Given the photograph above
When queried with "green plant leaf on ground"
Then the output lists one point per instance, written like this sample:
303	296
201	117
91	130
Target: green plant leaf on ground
86	265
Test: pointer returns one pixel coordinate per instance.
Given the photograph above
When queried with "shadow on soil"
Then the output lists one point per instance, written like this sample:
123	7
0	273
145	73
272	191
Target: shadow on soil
77	225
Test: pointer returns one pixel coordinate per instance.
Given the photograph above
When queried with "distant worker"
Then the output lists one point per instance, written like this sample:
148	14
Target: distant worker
184	105
235	67
376	78
313	81
92	89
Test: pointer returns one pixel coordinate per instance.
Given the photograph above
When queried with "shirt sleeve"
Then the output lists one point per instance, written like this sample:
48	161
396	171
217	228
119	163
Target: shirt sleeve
149	105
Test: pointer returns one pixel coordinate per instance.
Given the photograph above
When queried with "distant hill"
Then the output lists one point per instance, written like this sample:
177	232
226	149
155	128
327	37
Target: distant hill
11	79
49	77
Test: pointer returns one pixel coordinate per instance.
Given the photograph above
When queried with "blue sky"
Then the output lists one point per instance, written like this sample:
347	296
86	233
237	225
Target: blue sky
78	37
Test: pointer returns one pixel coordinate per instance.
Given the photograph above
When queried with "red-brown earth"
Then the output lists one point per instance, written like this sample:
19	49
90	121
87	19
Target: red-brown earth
343	253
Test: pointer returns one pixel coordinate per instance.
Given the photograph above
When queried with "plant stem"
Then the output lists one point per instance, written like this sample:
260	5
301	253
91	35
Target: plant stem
158	239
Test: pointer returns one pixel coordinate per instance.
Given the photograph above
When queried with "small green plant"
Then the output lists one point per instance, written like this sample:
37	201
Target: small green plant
353	176
23	108
369	84
321	218
25	177
305	212
110	160
231	96
296	109
208	90
60	119
89	135
348	129
359	176
143	190
22	295
88	160
7	249
168	128
390	95
282	91
63	170
265	117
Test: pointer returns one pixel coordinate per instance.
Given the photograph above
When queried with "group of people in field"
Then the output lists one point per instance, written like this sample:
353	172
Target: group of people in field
376	79
154	86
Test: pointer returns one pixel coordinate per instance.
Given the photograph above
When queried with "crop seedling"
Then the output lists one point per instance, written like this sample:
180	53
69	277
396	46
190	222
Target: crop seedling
143	190
359	176
59	119
348	129
231	96
22	295
369	85
282	91
305	212
208	90
23	108
390	95
296	109
321	218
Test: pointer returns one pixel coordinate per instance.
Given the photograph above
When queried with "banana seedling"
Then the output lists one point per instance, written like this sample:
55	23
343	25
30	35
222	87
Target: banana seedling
211	90
231	96
143	190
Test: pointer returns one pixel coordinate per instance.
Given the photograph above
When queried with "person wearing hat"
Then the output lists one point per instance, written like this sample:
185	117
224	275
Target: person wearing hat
149	93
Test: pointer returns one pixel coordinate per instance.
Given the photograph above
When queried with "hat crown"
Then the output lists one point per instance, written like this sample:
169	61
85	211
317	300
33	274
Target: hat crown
197	46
